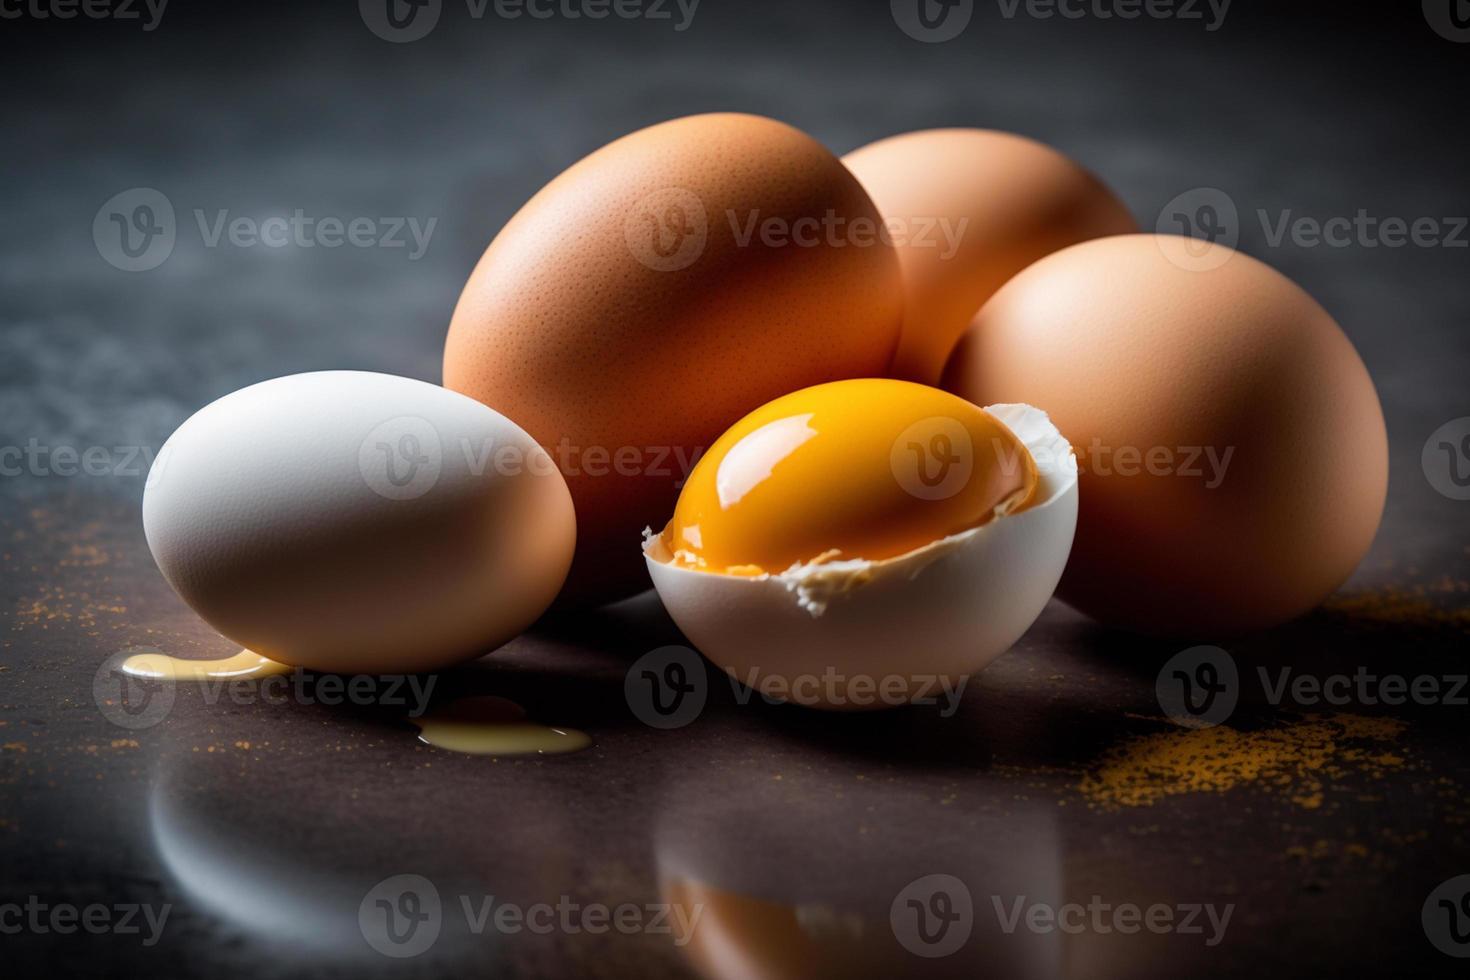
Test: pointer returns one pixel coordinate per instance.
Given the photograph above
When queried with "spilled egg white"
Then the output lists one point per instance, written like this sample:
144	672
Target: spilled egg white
855	634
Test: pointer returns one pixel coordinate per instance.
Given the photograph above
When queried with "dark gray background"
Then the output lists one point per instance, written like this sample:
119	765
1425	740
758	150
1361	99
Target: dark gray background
260	109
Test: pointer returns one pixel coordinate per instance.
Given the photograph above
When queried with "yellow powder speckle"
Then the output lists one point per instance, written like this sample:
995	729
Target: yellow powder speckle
1291	759
84	556
1395	606
56	606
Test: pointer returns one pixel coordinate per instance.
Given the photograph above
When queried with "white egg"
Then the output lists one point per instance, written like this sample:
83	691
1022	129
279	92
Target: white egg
355	522
855	635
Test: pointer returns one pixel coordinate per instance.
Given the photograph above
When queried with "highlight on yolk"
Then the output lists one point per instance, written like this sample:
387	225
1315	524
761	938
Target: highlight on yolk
868	468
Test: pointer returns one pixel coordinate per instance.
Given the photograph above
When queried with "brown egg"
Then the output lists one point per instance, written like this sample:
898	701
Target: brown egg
1233	449
968	209
658	291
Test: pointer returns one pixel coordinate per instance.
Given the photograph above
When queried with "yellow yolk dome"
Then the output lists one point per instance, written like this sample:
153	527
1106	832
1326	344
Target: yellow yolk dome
862	469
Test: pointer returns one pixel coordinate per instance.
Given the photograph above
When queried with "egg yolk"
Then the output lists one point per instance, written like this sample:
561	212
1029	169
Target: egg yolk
869	469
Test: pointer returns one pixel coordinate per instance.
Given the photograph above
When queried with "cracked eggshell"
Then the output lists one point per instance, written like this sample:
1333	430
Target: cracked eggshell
838	635
359	523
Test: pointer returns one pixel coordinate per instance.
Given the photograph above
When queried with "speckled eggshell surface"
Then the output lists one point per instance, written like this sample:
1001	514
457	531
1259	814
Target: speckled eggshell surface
1234	455
656	292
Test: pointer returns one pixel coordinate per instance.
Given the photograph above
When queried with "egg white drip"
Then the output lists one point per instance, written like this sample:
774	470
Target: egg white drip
817	582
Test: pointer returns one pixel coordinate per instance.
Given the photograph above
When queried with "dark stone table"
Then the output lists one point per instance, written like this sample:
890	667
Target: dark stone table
1058	786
